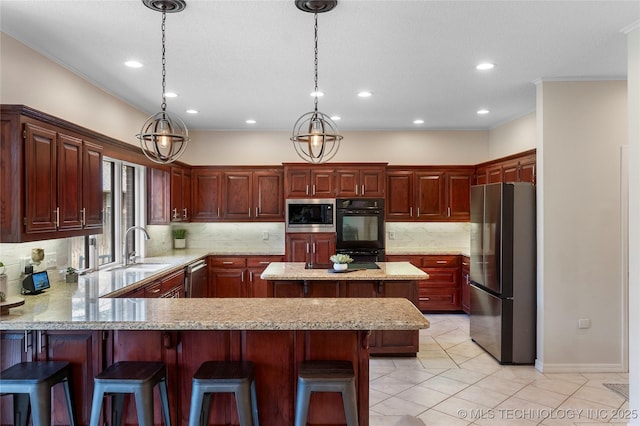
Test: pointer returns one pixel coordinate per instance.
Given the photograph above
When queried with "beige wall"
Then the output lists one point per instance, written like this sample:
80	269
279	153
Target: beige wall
515	136
29	78
582	127
428	147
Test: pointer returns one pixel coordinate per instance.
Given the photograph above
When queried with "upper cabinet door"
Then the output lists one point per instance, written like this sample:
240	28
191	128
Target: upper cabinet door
298	183
268	195
459	195
322	183
430	195
399	202
92	194
372	182
206	195
237	195
40	179
69	182
347	183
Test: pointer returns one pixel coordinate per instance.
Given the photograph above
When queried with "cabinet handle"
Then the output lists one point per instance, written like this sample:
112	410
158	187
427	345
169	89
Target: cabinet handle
426	299
226	262
362	192
441	261
313	189
264	262
175	213
411	211
157	290
257	214
418	212
26	341
57	212
184	213
306	190
448	211
314	247
218	211
251	276
356	189
39	341
307	247
465	263
83	217
242	277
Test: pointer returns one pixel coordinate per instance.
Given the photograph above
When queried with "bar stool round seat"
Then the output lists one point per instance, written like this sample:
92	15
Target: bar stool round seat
31	384
326	376
220	377
131	377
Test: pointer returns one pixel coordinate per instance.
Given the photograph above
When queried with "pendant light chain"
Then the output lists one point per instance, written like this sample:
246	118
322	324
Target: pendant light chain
164	63
315	61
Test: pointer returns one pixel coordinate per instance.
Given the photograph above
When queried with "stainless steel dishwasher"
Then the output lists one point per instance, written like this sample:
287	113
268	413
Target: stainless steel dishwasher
195	279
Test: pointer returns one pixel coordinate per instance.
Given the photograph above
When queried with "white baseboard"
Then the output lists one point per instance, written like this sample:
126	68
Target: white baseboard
579	368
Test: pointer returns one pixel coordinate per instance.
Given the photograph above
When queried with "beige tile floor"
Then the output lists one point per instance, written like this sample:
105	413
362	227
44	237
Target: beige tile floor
454	382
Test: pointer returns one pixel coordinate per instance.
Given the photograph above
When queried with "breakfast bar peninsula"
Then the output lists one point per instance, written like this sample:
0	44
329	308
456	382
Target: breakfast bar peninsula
71	323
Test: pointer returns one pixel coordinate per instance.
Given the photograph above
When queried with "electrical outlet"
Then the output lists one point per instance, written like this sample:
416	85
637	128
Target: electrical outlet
265	235
392	235
584	323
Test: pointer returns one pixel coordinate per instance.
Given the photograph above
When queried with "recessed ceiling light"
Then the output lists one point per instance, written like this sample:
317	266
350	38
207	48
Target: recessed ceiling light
192	111
250	121
483	66
483	111
335	117
418	121
170	95
318	94
365	94
133	64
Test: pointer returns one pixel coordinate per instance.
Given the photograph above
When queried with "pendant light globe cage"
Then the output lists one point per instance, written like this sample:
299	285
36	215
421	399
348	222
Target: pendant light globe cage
163	138
315	137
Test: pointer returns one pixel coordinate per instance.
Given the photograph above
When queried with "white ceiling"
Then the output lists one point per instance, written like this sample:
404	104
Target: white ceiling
242	59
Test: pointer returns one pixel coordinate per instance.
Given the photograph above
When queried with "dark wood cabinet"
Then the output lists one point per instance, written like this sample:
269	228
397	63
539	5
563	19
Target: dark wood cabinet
206	195
360	182
92	192
255	195
63	182
234	276
337	180
310	247
513	168
180	194
428	194
465	282
158	198
441	292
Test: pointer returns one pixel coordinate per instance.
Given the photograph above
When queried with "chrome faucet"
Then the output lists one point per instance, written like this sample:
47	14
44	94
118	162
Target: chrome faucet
125	249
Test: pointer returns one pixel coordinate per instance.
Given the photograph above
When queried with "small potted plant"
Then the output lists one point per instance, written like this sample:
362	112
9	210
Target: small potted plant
71	276
179	235
341	261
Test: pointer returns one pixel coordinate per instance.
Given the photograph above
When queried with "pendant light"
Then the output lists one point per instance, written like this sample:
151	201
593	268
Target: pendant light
163	137
315	136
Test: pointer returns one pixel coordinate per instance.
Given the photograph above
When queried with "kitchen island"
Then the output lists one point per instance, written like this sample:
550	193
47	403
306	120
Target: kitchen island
68	323
371	280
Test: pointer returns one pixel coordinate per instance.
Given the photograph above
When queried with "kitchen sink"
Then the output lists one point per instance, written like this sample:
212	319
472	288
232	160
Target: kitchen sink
140	267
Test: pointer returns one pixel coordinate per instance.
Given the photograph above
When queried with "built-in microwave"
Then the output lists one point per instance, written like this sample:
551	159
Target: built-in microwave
310	215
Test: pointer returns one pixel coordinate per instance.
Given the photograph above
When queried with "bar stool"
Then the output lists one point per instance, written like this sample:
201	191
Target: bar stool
31	383
326	376
138	378
224	376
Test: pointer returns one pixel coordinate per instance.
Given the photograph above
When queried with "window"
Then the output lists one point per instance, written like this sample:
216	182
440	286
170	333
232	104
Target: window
122	208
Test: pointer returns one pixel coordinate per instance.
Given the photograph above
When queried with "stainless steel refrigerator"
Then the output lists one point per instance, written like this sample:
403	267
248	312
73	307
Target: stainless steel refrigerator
503	271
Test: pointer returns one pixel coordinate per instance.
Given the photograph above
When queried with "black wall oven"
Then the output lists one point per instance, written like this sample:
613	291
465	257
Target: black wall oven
360	228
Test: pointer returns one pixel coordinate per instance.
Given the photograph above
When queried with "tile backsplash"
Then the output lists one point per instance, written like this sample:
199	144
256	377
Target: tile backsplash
12	254
427	235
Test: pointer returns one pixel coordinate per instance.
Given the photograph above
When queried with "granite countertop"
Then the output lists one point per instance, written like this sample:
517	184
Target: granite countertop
62	308
388	271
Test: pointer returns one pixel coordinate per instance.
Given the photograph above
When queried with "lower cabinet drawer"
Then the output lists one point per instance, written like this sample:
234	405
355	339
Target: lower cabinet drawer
438	299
